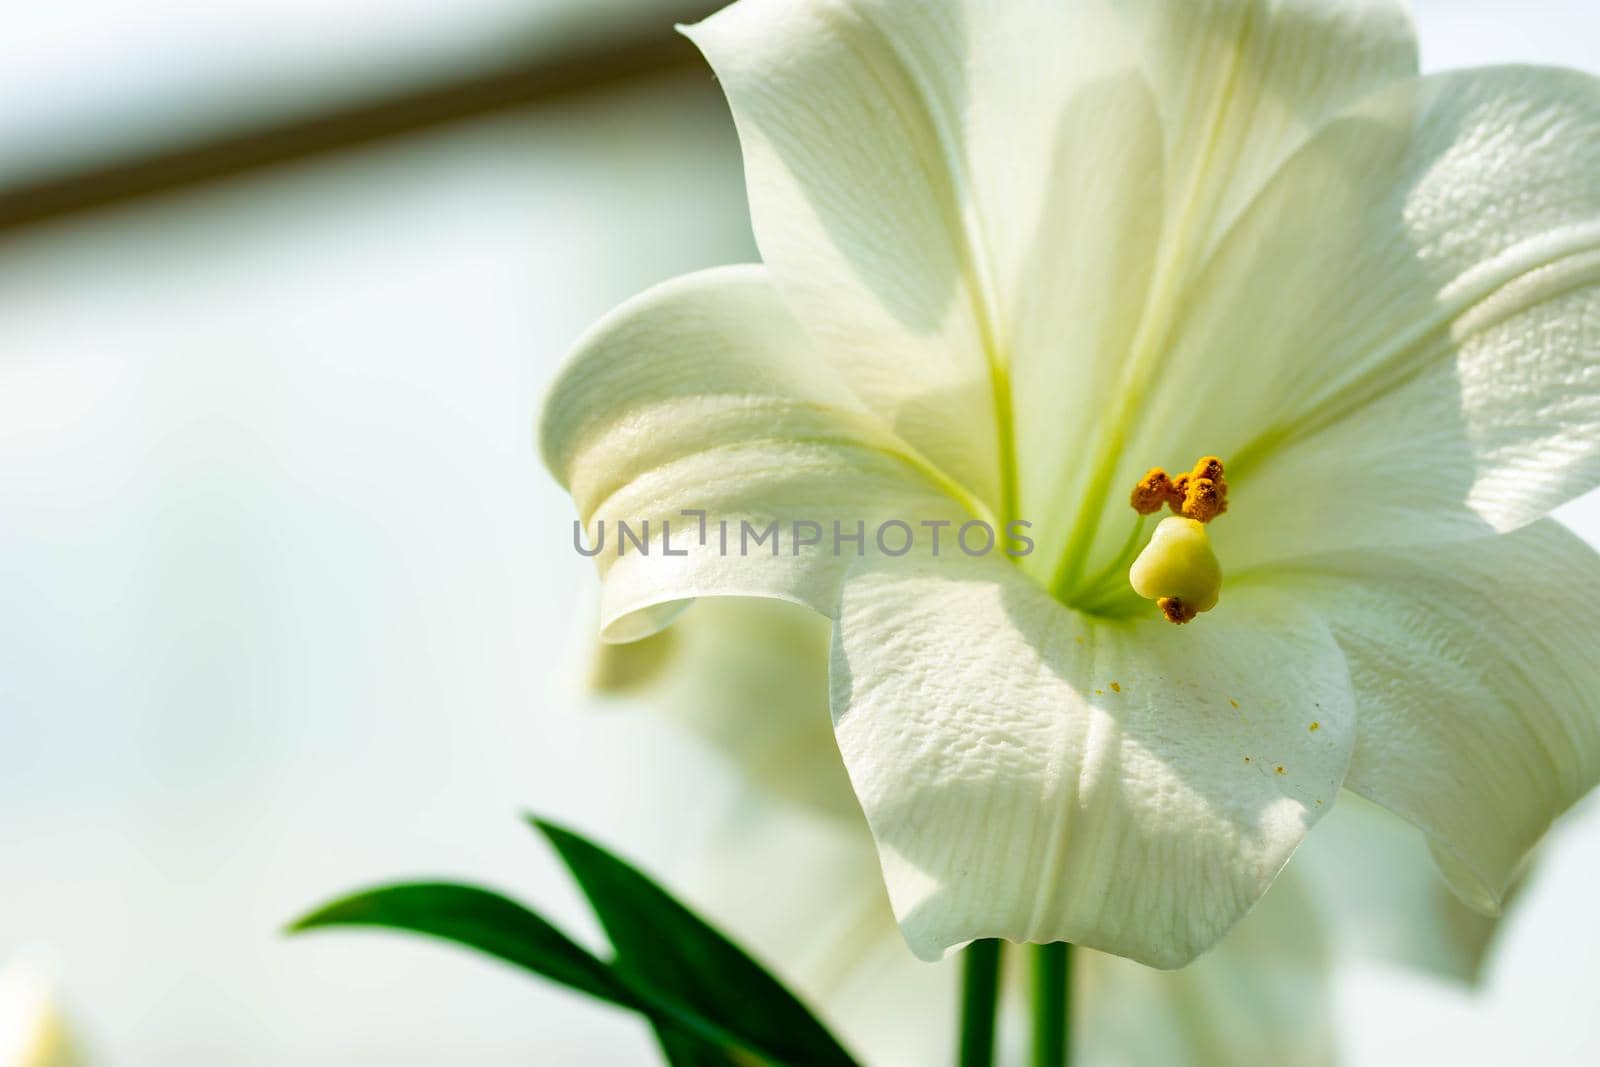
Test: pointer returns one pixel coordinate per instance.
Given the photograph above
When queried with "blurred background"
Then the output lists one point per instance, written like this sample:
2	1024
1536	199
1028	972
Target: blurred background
287	602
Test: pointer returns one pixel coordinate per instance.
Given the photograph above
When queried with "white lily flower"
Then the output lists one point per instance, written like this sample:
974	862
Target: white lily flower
1015	255
794	873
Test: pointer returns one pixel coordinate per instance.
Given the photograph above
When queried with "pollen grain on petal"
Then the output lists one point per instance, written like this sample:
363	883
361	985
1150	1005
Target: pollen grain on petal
1116	688
1314	727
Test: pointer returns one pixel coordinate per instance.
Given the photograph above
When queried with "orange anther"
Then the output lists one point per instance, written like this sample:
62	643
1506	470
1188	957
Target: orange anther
1153	491
1204	499
1176	610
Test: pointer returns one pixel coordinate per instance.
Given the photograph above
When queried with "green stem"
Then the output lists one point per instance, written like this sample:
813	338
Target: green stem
980	992
1052	1005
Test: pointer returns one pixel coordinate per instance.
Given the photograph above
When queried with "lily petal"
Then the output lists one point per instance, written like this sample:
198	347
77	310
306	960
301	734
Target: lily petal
1478	687
1370	871
1244	83
703	393
916	172
858	209
749	676
806	894
1263	995
1035	774
1395	342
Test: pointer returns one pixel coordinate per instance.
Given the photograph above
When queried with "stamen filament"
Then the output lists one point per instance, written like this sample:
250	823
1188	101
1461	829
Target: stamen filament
1112	577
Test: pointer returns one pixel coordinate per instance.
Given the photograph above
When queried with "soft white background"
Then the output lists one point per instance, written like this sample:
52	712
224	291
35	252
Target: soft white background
287	604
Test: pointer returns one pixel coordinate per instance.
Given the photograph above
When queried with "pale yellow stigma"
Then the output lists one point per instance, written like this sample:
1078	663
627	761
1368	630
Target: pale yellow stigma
1178	569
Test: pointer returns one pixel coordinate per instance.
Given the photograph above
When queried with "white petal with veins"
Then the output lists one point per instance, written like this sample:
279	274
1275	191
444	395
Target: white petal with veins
1396	344
704	394
1478	689
1035	774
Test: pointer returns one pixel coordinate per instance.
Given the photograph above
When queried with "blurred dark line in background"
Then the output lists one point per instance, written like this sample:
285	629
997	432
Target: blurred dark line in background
617	55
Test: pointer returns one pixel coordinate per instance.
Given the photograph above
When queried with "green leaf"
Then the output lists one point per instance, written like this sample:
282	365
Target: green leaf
663	946
683	1049
478	919
711	1005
